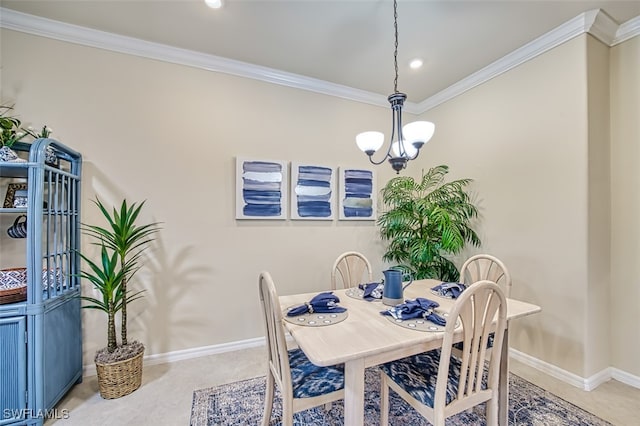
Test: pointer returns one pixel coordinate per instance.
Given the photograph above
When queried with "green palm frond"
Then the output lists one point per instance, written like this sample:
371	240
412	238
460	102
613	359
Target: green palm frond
425	221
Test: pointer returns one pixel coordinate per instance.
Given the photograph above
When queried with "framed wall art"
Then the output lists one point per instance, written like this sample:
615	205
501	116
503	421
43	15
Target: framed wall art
357	194
16	195
312	192
261	189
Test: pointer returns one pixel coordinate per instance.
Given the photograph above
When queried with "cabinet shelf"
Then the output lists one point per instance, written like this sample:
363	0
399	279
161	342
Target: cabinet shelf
14	210
13	170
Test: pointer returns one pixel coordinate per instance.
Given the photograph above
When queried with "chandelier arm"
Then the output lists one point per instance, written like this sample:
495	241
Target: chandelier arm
395	116
402	152
388	154
415	156
377	163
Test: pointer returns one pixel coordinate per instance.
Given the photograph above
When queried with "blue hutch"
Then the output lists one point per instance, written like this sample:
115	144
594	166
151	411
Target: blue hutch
41	333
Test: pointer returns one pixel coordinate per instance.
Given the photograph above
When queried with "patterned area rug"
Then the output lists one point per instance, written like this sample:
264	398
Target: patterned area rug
241	403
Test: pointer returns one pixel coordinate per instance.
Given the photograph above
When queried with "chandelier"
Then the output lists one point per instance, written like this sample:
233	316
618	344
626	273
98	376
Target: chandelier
405	142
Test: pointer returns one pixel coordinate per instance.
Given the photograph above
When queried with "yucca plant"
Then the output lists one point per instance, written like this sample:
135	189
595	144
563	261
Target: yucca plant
127	241
107	278
427	221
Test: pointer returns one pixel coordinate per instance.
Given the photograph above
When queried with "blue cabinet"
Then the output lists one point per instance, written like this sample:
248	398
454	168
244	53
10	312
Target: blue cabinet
41	336
13	365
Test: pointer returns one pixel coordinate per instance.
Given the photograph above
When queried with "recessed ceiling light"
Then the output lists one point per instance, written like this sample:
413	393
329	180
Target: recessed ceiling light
214	4
415	64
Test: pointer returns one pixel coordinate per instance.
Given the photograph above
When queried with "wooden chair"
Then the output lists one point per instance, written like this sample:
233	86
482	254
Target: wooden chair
439	385
486	267
352	268
303	385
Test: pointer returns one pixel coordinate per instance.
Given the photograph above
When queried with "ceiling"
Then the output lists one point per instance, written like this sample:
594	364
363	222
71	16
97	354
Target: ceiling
348	42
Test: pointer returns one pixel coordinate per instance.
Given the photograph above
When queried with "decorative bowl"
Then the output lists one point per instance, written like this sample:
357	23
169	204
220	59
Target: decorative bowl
13	278
13	285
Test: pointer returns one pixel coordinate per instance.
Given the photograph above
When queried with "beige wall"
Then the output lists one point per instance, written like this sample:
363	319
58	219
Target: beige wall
523	137
625	206
597	306
553	160
169	134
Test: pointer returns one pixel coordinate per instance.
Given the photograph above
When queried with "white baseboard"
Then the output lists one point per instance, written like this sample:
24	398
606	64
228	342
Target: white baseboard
626	378
168	357
550	369
588	384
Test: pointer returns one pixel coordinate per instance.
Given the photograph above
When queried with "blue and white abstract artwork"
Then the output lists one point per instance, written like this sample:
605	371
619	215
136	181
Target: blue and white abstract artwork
312	192
357	194
261	189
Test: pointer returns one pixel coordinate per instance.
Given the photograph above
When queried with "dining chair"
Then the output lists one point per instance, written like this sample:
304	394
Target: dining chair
486	267
439	385
303	385
352	268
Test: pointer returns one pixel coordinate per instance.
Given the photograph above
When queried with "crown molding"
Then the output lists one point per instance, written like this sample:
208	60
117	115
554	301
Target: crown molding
601	24
602	27
594	22
628	30
35	25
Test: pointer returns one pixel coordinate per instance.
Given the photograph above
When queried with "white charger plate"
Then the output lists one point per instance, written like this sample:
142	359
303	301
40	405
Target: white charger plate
315	319
421	324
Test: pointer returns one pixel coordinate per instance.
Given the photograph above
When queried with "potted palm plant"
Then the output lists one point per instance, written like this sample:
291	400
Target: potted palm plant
425	222
10	133
122	243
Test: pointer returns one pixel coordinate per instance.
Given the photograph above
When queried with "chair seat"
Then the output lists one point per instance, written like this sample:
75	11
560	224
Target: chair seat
309	380
418	374
490	340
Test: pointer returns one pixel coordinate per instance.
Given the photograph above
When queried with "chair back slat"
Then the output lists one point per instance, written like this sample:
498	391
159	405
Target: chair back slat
276	342
352	268
486	267
476	309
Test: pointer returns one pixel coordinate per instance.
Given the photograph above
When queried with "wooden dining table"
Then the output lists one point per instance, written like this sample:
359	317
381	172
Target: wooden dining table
366	338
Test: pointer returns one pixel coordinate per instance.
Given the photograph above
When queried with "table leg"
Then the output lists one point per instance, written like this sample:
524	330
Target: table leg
503	398
354	392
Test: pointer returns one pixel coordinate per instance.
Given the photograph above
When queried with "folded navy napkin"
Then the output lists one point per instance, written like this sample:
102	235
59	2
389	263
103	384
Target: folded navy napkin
325	302
372	291
418	308
451	290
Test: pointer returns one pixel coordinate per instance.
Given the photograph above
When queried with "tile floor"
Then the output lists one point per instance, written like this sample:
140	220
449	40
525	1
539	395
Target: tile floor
167	389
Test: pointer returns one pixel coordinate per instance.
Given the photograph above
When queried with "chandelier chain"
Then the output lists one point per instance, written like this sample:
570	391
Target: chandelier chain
400	151
395	52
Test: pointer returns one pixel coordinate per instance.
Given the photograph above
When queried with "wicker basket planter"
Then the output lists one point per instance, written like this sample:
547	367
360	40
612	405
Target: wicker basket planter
120	378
